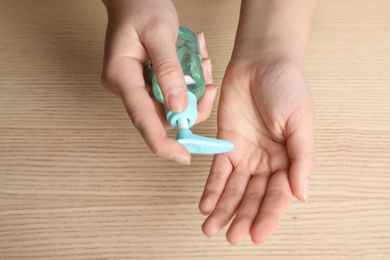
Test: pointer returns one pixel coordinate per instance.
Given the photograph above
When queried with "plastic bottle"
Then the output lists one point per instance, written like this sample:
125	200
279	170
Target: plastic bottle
187	48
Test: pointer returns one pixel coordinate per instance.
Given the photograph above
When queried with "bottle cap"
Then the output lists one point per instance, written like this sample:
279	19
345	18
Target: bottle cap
191	112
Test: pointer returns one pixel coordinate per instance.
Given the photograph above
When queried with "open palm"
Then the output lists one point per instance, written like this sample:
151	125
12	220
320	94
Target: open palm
266	111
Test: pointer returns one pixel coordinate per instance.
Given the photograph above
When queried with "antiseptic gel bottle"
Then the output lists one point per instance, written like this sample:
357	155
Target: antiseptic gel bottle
187	48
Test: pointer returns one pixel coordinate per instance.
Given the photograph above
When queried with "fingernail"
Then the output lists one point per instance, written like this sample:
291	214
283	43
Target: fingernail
203	40
175	100
213	94
177	157
209	68
306	190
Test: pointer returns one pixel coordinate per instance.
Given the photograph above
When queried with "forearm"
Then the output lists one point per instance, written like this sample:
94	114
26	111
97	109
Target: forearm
268	26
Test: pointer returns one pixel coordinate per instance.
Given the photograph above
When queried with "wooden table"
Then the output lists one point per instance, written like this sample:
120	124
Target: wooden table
78	182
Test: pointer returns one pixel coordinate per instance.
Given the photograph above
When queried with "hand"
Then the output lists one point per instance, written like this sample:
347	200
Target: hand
139	31
266	111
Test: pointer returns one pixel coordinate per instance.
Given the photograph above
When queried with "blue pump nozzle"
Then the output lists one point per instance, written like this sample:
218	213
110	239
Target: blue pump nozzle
203	145
192	142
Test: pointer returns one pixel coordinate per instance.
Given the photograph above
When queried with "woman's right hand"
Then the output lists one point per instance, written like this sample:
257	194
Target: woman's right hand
139	31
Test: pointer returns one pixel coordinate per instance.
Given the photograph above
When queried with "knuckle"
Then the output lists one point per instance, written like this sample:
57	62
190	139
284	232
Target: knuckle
221	213
280	194
270	215
217	174
311	160
234	191
156	25
107	80
244	217
155	148
109	74
167	71
307	163
105	84
137	117
211	193
159	25
253	196
110	77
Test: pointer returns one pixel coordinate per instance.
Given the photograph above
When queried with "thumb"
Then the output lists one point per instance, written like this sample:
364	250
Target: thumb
162	52
300	148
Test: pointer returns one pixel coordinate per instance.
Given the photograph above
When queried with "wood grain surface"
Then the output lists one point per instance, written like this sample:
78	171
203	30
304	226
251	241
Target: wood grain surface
78	182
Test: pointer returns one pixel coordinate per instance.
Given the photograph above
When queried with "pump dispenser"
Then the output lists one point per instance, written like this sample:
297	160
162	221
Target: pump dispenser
187	48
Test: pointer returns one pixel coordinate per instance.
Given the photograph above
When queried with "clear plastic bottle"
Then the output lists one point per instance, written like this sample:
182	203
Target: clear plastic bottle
188	52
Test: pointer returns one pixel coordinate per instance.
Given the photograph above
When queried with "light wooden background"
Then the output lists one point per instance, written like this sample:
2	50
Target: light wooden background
77	181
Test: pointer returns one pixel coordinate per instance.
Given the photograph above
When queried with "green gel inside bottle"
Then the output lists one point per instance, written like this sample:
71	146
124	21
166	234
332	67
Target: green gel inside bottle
188	52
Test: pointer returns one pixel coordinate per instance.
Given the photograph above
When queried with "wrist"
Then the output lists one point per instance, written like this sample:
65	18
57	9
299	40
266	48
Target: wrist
267	50
117	6
274	28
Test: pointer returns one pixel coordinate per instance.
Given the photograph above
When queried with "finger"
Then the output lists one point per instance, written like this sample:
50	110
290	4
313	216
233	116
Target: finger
148	77
276	201
162	51
248	209
228	204
206	62
300	148
202	43
142	111
205	104
221	168
160	110
207	71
